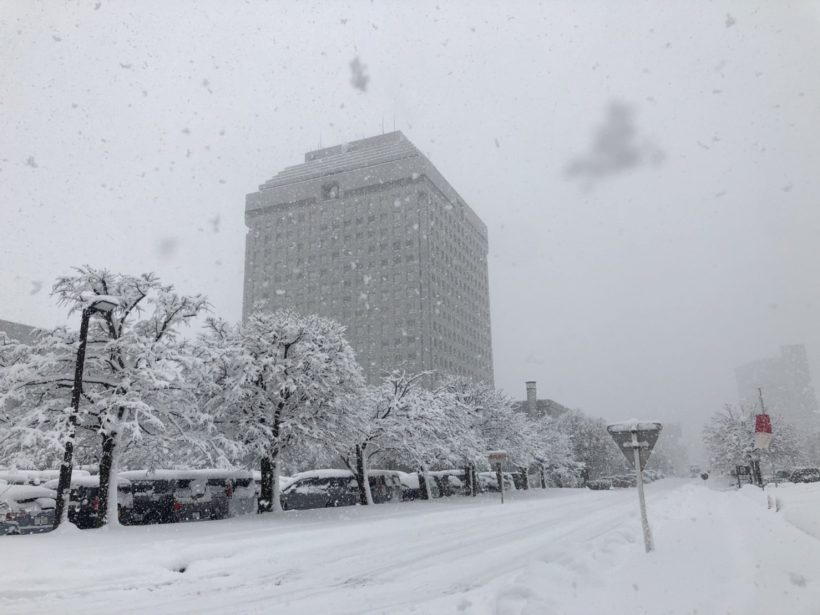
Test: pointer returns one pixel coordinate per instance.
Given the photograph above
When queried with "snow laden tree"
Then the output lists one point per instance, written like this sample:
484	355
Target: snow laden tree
553	452
276	380
728	437
591	445
502	428
443	433
401	418
134	391
489	414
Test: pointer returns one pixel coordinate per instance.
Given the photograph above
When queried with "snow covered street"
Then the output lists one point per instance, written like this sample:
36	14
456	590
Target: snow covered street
559	551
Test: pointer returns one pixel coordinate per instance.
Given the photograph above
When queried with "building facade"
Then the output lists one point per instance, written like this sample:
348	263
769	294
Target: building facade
17	331
786	384
370	234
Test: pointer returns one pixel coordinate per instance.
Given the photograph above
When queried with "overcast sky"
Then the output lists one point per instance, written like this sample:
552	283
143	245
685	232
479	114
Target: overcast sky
648	171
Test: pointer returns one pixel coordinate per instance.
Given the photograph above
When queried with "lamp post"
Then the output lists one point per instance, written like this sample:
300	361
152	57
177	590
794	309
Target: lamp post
96	303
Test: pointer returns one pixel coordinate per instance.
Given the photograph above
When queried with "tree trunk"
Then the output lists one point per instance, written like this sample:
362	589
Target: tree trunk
276	464
266	492
543	476
525	475
467	482
361	479
427	488
424	492
113	512
108	482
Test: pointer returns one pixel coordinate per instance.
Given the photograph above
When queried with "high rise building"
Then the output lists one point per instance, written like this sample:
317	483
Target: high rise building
370	234
786	384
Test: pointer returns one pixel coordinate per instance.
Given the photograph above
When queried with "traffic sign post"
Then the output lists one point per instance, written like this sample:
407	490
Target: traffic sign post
496	458
635	439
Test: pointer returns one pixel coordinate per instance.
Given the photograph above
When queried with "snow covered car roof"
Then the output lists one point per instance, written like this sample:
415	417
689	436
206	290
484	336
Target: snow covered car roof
409	480
23	477
328	473
18	493
86	481
183	474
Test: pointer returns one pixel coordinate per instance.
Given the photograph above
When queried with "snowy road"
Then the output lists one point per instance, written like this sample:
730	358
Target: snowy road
560	551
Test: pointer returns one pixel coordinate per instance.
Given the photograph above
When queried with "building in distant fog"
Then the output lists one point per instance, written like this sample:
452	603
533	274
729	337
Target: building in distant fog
786	384
370	234
539	408
17	331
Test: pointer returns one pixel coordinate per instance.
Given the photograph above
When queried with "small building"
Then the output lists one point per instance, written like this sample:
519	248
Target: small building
539	408
17	331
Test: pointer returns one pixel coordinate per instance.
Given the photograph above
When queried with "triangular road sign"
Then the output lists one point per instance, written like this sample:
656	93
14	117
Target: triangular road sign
647	435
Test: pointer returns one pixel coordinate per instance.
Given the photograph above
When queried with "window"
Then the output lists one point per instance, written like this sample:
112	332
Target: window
330	191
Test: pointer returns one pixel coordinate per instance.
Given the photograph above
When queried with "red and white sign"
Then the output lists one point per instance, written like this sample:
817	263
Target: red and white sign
496	457
763	431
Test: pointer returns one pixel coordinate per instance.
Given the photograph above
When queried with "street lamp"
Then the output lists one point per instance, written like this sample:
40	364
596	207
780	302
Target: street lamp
94	303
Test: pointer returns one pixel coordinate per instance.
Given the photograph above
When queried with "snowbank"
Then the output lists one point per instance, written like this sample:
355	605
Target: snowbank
183	474
556	551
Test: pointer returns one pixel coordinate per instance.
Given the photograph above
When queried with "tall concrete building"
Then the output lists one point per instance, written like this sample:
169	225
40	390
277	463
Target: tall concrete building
786	383
370	234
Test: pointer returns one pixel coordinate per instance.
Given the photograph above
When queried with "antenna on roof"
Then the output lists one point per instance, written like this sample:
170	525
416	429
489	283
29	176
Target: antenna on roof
320	138
382	123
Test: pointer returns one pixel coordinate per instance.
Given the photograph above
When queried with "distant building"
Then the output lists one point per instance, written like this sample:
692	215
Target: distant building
370	234
539	408
786	384
17	331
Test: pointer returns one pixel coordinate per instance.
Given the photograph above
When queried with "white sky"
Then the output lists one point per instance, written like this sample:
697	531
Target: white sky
131	133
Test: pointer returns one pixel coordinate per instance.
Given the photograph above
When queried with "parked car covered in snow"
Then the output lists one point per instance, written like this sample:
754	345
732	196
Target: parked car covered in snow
599	484
623	481
450	482
171	496
805	475
84	500
26	509
385	486
410	486
489	481
320	489
336	487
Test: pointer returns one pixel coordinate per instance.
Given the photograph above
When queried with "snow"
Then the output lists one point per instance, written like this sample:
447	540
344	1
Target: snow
86	481
329	473
567	551
183	474
630	424
35	477
796	503
17	493
91	297
409	480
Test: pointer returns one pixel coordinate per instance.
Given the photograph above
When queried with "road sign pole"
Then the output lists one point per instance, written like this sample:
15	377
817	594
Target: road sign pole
647	532
500	481
497	459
